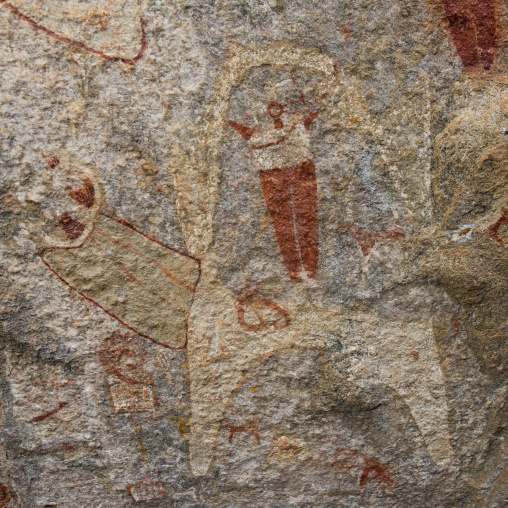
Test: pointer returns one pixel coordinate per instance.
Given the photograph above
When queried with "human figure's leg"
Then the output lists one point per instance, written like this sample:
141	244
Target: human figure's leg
306	207
276	185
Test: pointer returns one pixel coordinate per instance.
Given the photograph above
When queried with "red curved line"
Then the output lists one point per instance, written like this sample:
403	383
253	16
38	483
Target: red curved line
165	271
124	223
240	308
150	237
135	279
78	44
49	413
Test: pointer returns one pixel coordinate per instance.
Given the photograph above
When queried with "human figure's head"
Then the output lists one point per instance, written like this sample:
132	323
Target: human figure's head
68	200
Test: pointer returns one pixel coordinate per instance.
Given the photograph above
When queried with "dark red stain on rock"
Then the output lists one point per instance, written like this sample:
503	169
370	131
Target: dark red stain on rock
473	24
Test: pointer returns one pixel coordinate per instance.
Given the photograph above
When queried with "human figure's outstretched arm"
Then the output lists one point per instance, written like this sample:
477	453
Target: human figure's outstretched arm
246	132
310	119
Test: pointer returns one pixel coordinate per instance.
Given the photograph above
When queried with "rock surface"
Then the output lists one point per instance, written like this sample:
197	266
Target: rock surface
254	253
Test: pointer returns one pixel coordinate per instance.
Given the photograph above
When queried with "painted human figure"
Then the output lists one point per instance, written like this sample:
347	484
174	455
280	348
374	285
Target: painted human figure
288	179
473	26
145	285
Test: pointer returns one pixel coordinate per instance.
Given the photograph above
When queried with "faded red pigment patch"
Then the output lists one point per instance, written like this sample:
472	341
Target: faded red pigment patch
146	491
473	26
456	326
493	232
349	459
125	358
245	428
267	313
52	162
68	447
5	495
367	238
130	385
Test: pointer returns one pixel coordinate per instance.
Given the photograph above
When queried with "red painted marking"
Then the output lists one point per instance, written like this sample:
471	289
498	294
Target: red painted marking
86	195
383	475
456	326
152	238
52	162
50	413
116	356
5	495
146	491
255	302
310	119
493	232
291	198
473	25
416	355
78	44
67	447
128	246
246	132
367	239
72	227
279	109
149	237
234	429
345	459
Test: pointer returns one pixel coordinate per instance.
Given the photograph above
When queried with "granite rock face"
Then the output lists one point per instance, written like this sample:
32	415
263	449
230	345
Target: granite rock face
254	253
